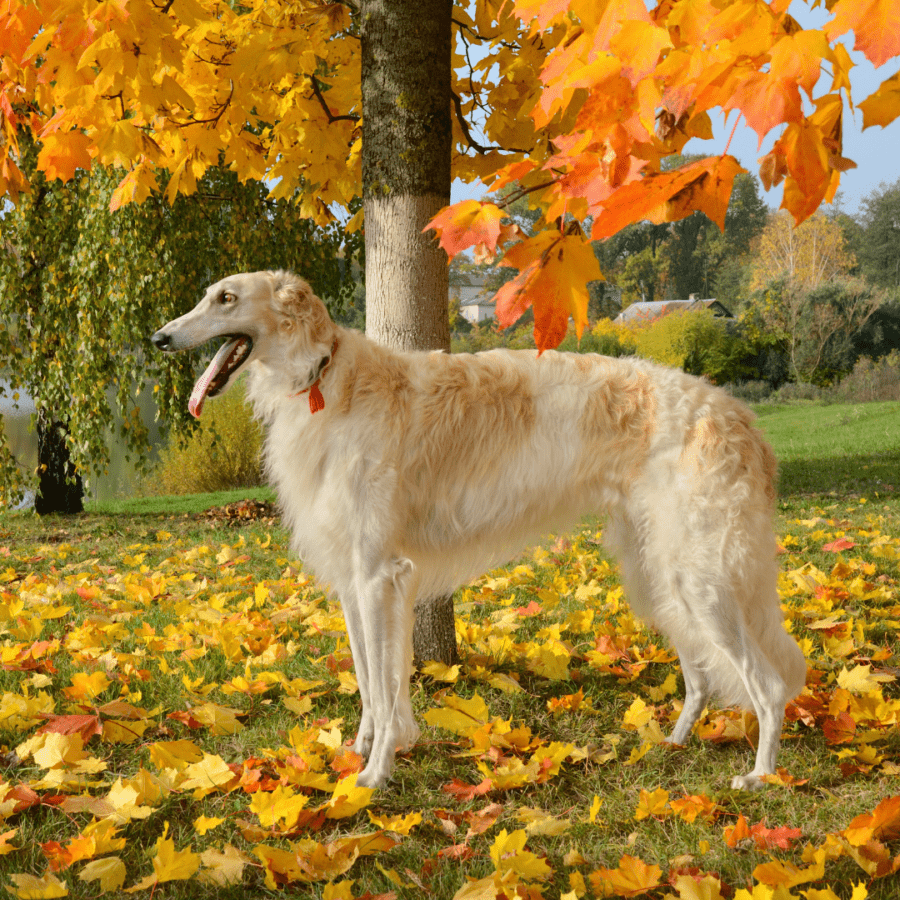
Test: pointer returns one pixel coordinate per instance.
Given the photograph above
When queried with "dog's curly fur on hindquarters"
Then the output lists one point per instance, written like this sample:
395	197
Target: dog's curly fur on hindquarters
403	475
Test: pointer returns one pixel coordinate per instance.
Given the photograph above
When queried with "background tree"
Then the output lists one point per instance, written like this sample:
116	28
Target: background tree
878	250
81	289
807	256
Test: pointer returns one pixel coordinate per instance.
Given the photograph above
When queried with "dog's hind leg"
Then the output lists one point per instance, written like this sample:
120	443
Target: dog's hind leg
737	667
386	607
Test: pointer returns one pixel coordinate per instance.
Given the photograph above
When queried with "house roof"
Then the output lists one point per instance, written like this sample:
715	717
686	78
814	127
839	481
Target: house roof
645	309
483	300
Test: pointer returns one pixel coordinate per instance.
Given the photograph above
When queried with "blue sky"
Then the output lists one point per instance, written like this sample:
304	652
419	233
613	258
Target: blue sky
875	151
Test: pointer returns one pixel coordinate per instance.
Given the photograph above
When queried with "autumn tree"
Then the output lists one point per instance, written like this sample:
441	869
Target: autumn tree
579	101
807	256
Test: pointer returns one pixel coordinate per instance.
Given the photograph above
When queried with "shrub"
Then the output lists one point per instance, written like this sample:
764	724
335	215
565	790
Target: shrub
222	453
750	391
871	380
795	391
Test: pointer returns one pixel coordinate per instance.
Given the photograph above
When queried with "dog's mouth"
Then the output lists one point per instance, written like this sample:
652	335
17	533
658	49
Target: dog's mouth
231	356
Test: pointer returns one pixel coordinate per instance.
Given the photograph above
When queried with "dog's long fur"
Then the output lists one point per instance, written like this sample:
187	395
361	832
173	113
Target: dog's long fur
425	469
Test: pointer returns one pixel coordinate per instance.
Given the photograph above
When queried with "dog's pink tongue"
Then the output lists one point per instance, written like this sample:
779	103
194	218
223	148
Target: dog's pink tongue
201	388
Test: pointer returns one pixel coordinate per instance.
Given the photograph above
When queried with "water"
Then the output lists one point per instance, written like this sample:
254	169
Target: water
123	478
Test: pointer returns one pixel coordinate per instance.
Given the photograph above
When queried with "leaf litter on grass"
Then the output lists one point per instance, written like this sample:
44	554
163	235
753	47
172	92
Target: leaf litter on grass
159	694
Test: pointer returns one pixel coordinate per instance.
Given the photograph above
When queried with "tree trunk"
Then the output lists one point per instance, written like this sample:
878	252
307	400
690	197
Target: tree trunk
60	489
407	142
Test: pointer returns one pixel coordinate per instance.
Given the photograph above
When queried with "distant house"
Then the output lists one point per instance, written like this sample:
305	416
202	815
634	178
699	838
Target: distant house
476	301
648	311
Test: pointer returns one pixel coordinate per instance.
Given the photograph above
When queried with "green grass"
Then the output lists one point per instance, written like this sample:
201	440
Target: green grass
185	504
170	609
840	448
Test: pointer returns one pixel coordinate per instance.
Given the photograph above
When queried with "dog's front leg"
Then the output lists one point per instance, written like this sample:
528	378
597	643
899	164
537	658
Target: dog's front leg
357	636
386	609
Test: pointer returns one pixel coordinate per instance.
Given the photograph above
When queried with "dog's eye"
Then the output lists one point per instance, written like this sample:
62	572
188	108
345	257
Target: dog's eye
227	297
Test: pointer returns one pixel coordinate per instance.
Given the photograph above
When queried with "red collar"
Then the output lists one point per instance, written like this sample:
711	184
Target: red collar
316	400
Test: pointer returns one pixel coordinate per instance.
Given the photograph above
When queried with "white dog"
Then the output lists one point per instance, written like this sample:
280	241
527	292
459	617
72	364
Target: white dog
403	475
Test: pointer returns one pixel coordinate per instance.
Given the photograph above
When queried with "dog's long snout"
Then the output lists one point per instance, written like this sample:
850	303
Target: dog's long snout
161	340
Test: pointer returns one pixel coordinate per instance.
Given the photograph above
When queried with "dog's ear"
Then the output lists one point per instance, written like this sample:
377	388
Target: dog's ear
299	309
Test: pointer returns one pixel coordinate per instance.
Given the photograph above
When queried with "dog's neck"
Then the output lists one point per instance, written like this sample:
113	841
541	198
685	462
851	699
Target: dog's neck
316	400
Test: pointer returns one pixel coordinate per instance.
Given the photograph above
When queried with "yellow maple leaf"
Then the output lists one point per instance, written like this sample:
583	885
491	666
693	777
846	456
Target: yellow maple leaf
175	754
652	804
637	715
207	775
87	687
397	824
281	805
631	878
170	864
861	680
30	887
223	867
202	824
508	854
109	871
348	798
706	888
59	750
460	715
785	874
441	671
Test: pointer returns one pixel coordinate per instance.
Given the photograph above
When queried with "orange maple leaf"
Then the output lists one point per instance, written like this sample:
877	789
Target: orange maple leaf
875	23
766	102
763	838
882	824
463	791
64	152
881	107
85	725
669	196
631	878
471	224
555	270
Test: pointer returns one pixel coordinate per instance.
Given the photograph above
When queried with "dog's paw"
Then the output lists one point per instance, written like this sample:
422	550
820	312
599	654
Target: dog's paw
749	782
408	738
364	739
373	776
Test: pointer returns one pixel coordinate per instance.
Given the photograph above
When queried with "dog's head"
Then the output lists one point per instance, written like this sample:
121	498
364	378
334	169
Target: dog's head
270	318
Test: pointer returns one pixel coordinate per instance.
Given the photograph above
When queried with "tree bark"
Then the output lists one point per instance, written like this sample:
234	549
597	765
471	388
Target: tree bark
407	143
60	489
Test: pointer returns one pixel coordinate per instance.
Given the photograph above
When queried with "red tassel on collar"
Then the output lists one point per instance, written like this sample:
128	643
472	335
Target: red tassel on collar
316	400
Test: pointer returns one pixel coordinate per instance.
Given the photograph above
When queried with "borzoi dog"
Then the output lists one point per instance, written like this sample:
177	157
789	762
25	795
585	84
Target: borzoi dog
404	475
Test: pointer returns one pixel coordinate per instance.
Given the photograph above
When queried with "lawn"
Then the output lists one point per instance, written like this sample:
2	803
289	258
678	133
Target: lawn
176	695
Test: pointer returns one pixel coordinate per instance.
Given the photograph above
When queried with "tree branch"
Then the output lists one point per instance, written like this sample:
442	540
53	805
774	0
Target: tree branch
317	93
464	125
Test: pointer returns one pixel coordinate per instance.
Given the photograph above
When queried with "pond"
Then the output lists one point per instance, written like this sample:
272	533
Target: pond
123	478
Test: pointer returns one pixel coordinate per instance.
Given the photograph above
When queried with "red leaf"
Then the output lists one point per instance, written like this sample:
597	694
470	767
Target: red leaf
532	609
85	725
463	791
838	545
185	718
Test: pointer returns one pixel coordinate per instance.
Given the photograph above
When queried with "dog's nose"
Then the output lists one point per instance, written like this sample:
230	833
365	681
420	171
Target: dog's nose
161	340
